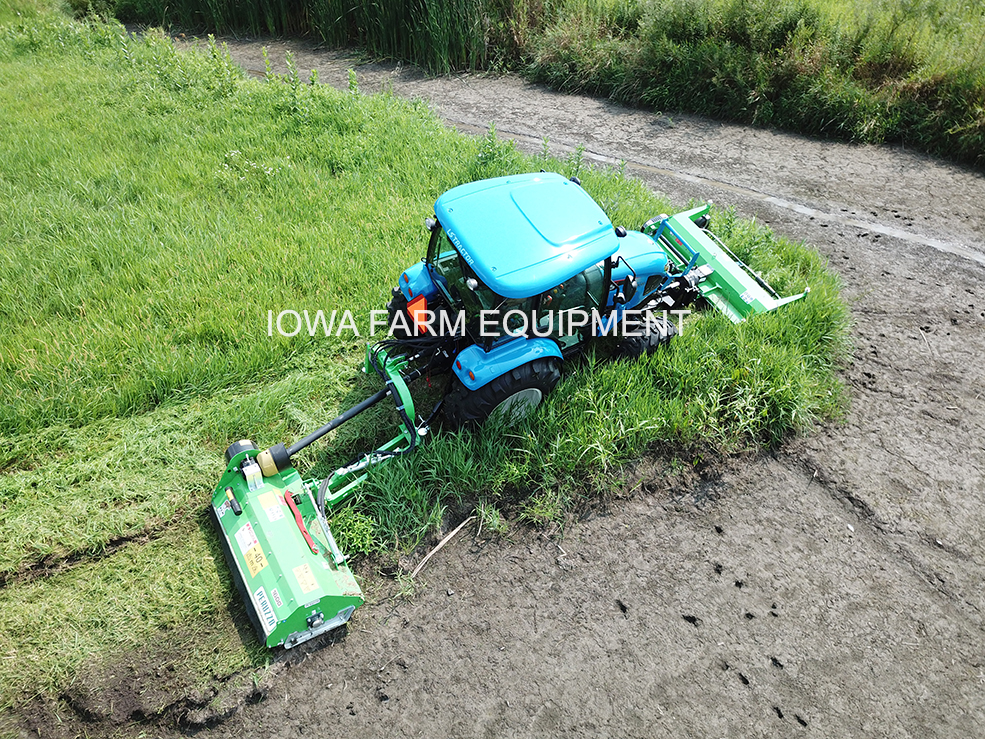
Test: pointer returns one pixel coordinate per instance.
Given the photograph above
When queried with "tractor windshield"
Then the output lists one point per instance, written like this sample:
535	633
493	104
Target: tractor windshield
465	291
450	274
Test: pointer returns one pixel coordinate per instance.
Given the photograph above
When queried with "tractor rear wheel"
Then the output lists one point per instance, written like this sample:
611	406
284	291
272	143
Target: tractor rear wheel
512	395
657	332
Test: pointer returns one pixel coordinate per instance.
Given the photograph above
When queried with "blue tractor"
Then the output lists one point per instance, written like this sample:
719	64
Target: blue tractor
524	271
521	273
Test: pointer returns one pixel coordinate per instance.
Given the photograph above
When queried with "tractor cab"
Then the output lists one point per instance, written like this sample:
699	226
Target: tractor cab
524	235
526	247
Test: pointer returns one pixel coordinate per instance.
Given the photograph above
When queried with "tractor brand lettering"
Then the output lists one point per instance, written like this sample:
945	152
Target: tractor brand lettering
275	594
461	249
264	609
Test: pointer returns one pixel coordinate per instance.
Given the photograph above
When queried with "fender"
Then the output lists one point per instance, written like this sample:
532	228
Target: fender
475	367
416	281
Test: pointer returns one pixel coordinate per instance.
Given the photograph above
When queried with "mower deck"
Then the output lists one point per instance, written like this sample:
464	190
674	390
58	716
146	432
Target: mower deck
293	578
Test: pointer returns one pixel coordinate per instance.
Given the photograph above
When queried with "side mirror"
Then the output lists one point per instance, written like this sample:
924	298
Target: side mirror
629	288
626	287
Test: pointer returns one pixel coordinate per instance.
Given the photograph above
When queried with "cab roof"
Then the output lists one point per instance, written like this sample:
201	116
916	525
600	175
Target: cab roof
524	234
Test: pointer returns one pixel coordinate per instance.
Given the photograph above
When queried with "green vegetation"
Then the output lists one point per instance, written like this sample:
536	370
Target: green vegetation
436	34
153	207
12	11
910	71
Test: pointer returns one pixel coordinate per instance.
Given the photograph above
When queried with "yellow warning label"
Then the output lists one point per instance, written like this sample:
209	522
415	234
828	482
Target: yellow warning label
306	578
272	506
256	560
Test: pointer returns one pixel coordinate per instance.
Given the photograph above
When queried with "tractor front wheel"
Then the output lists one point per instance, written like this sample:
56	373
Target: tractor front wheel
656	332
511	395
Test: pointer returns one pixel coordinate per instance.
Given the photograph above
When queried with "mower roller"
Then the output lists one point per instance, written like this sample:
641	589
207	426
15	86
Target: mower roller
516	253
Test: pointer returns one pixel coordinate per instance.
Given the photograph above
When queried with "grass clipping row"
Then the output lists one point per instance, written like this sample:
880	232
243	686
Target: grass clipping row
154	206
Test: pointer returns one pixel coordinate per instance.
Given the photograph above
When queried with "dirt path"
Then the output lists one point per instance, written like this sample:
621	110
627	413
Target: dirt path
831	590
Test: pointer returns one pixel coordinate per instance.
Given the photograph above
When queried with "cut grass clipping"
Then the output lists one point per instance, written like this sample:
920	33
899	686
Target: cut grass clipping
153	207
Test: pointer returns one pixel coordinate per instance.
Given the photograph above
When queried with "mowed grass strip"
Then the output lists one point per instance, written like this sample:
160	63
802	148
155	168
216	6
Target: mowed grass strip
154	207
133	601
70	492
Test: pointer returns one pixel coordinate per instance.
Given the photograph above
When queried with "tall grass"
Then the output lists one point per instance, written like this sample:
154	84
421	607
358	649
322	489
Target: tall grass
153	207
439	35
899	70
130	236
911	71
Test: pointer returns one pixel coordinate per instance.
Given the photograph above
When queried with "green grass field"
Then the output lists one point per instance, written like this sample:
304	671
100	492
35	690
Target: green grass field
153	207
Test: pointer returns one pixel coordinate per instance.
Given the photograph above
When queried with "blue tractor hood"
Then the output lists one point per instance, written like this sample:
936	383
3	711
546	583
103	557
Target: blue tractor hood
524	234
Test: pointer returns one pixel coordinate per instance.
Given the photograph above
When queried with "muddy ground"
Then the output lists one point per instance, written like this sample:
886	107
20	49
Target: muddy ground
830	589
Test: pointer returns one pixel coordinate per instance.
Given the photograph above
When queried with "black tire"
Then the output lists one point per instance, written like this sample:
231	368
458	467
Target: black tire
526	386
657	333
238	446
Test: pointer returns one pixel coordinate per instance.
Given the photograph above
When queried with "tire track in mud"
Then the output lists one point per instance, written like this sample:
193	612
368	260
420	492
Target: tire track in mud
60	562
897	542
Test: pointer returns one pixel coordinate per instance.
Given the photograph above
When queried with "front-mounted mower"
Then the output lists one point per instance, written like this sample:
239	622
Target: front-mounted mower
521	273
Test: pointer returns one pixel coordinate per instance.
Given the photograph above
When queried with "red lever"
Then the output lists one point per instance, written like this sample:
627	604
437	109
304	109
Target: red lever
289	499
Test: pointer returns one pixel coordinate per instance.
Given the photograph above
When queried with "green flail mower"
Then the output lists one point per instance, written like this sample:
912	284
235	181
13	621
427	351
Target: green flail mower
292	575
508	259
